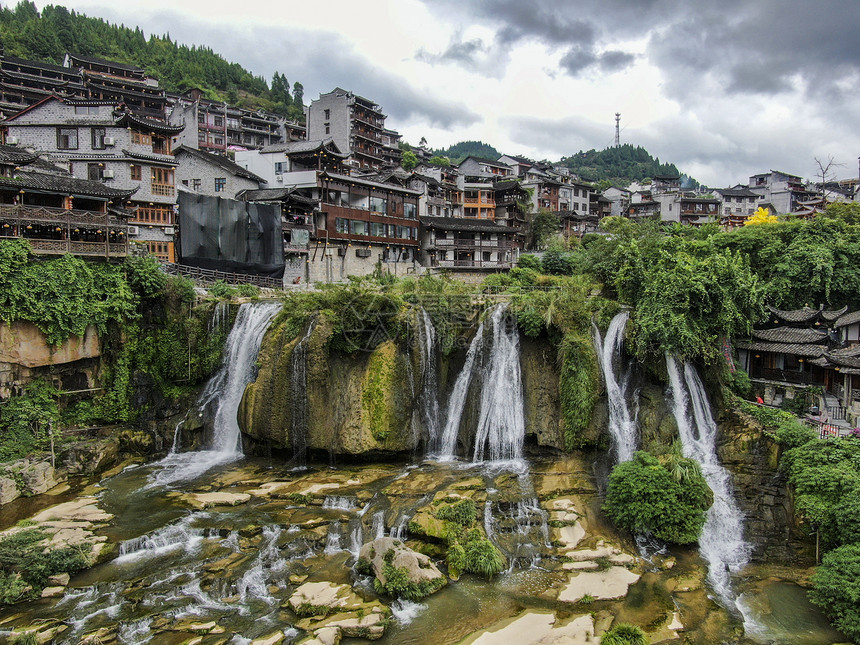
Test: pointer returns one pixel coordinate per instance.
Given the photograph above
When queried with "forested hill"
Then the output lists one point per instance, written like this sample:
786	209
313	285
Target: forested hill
459	151
47	36
620	165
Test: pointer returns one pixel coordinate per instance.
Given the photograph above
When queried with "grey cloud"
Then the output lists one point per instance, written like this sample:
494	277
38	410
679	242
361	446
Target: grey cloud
320	61
577	60
458	51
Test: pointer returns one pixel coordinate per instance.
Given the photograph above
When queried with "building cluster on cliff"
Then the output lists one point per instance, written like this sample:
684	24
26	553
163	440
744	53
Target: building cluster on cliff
96	154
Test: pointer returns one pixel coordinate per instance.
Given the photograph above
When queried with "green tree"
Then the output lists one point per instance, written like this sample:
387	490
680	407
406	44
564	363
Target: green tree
408	160
644	498
836	589
438	160
544	226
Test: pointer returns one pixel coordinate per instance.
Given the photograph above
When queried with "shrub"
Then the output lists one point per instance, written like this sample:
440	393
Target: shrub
248	290
483	558
456	559
529	261
836	589
145	276
397	584
624	634
22	556
221	289
462	512
646	497
739	382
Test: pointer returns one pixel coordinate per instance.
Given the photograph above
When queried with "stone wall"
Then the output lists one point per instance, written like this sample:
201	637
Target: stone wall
25	354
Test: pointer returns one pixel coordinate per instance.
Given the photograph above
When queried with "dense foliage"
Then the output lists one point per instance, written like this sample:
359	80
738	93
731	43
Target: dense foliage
620	165
25	566
29	421
667	500
836	589
61	296
49	35
459	151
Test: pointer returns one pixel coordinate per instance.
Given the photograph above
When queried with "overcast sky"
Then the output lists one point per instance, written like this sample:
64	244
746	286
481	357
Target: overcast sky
723	89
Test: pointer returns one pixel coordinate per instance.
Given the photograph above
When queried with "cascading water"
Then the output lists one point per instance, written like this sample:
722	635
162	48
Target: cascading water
721	542
224	389
299	396
622	425
501	421
429	401
448	448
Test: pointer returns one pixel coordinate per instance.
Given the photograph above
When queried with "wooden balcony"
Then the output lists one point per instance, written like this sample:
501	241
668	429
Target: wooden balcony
164	190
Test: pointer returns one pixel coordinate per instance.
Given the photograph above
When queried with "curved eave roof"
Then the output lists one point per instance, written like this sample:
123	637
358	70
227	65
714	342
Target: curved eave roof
57	184
129	120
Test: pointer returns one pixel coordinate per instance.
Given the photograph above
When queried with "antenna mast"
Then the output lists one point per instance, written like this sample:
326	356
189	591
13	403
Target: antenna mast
617	129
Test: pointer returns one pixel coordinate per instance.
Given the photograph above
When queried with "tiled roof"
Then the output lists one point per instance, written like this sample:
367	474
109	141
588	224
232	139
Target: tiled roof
831	316
17	156
217	160
125	119
484	160
167	160
797	315
365	182
737	192
790	335
507	184
275	195
101	61
296	147
63	185
806	350
465	224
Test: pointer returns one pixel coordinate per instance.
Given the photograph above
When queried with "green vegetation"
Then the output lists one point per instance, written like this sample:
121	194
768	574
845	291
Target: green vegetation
30	421
25	566
666	497
459	151
544	226
61	296
398	585
619	165
462	512
221	289
624	634
408	160
48	35
836	589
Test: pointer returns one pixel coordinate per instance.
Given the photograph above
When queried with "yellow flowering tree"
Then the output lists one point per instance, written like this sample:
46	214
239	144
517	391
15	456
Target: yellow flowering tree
761	216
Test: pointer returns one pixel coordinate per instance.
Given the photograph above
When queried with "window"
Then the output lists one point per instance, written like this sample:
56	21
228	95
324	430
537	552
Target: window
67	138
377	229
95	171
328	129
196	183
728	211
409	210
87	109
154	215
160	250
201	117
162	182
220	184
136	174
98	138
219	121
161	145
358	227
280	167
341	225
141	139
378	204
327	114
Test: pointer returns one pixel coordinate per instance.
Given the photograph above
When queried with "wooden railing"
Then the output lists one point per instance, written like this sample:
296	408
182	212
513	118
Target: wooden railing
208	276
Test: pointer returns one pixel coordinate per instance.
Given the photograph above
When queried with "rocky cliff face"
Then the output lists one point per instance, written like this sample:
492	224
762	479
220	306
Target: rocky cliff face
368	402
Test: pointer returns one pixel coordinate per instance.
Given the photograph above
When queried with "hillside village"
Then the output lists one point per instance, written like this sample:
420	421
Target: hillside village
97	157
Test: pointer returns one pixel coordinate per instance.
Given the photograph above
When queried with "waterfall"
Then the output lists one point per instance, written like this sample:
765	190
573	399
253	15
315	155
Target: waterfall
299	397
220	317
448	448
501	420
429	380
622	425
225	390
721	542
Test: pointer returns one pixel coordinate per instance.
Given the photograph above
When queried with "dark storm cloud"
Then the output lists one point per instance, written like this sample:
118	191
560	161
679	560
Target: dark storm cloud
320	61
577	60
458	51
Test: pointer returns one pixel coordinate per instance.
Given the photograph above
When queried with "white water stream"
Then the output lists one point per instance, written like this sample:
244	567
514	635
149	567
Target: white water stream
721	543
622	424
224	390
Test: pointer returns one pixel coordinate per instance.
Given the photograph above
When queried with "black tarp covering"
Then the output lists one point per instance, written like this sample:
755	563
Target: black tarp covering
226	235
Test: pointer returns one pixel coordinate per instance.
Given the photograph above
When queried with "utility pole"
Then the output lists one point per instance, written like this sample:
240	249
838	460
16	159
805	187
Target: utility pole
617	129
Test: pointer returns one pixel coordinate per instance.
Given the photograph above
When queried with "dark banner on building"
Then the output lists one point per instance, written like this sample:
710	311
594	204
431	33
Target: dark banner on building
226	235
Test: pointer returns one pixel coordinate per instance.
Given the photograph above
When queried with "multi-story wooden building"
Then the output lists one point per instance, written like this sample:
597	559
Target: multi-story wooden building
467	244
104	141
25	82
218	127
357	126
57	213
